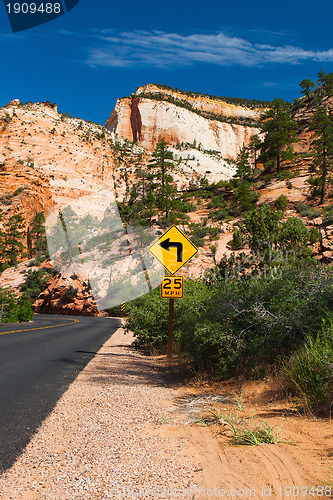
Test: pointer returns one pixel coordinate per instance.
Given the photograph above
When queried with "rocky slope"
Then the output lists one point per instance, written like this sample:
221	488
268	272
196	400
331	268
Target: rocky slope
49	160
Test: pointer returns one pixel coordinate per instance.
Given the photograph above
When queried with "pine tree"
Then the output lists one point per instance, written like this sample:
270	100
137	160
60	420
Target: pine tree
244	169
280	132
254	148
306	86
160	165
12	241
325	81
37	235
322	145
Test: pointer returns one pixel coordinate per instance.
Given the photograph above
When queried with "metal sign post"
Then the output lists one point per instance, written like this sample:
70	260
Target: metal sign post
171	320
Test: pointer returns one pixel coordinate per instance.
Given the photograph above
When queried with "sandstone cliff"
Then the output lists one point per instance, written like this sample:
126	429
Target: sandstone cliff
207	124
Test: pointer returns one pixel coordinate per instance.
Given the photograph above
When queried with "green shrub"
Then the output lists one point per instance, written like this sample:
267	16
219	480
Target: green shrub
328	219
285	174
35	283
308	211
281	203
238	240
14	309
236	326
315	235
219	214
310	371
70	293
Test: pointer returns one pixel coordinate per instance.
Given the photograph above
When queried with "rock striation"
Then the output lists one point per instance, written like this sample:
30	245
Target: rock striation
187	119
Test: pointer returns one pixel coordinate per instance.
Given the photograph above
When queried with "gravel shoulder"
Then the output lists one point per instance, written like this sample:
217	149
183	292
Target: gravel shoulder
94	445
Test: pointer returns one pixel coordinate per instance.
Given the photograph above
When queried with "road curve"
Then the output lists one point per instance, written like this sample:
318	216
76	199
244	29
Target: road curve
38	361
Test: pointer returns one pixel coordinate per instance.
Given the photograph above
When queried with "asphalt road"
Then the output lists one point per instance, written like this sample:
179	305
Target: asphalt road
36	368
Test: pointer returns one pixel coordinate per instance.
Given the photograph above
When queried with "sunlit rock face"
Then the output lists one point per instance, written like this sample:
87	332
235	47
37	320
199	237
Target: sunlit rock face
146	121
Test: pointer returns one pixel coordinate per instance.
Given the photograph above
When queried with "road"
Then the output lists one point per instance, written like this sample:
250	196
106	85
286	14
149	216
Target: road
36	368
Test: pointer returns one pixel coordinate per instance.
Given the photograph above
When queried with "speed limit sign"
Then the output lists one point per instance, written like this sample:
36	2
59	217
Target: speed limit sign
172	287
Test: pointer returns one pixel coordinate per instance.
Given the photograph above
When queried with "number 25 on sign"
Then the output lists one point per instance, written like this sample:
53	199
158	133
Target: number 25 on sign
172	287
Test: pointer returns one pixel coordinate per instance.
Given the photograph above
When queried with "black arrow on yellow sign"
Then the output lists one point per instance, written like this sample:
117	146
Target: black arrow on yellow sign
167	244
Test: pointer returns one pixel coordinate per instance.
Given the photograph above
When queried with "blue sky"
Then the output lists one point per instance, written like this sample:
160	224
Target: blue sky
102	50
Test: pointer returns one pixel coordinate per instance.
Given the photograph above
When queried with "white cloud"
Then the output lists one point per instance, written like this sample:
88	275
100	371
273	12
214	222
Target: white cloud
158	48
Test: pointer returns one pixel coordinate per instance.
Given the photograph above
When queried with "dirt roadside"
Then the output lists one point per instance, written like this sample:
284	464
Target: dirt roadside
125	429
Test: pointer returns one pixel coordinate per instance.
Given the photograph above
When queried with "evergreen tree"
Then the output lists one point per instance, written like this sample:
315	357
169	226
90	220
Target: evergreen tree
280	133
244	169
37	235
160	166
325	81
254	148
12	241
306	86
322	144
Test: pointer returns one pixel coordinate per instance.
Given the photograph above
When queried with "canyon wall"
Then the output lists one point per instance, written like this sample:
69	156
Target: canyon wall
146	121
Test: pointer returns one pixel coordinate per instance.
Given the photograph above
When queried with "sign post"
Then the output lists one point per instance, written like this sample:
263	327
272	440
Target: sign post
171	320
173	249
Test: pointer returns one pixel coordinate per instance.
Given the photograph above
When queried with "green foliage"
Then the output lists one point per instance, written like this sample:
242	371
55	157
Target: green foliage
14	309
37	244
322	144
247	436
35	283
306	86
244	169
285	174
325	83
307	211
315	235
160	166
70	293
280	134
310	371
262	225
238	239
281	203
12	246
218	215
245	199
240	101
328	219
235	326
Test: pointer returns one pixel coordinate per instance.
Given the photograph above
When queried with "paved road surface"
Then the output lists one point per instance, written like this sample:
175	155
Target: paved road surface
36	368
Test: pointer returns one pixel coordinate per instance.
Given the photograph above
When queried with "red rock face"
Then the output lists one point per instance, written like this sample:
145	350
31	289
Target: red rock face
64	295
34	196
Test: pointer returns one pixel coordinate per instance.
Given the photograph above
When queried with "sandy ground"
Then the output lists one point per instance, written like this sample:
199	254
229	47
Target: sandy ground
129	427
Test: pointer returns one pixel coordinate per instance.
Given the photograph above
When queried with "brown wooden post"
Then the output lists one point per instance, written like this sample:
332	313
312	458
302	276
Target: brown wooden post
170	337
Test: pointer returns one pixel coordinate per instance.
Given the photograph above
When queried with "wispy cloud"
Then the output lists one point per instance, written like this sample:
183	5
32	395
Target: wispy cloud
161	49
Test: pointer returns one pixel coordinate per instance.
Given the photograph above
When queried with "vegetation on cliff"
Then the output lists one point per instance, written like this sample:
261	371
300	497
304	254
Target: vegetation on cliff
238	101
237	120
